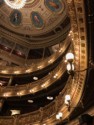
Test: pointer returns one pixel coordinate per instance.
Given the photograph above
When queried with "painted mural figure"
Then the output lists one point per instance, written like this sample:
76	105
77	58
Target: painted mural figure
15	18
54	5
37	20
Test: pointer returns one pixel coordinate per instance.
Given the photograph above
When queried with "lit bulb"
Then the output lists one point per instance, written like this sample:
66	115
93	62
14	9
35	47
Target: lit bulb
70	67
57	116
60	114
69	56
67	99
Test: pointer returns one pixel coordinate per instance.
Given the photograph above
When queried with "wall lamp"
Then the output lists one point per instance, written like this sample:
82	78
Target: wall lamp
67	101
70	63
59	116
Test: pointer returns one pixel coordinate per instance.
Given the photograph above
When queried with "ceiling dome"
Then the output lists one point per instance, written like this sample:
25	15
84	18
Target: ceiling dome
36	18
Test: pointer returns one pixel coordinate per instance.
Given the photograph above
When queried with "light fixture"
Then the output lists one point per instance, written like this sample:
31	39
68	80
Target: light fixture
70	68
4	71
29	70
39	67
70	57
59	116
35	78
17	72
67	101
30	101
32	90
15	112
43	85
50	61
55	76
5	95
70	64
19	93
50	98
15	4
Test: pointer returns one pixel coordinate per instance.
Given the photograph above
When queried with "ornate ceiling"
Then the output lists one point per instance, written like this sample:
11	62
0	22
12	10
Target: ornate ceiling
36	18
33	43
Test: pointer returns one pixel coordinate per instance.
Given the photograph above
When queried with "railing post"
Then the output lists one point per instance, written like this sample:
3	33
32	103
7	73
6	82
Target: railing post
15	120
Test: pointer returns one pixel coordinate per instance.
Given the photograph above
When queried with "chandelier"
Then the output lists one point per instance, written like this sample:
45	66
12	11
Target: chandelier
15	4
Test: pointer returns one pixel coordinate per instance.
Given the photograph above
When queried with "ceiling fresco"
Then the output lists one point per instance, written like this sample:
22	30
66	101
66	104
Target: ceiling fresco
46	16
30	3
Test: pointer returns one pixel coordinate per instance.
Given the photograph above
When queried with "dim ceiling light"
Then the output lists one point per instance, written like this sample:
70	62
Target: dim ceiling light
30	101
4	71
50	98
43	86
35	78
28	70
15	112
15	4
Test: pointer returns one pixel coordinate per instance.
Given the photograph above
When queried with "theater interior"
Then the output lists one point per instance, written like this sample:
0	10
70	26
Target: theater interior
46	62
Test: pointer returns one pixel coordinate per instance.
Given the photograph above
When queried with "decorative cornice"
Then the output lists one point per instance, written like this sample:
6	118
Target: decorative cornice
36	43
18	70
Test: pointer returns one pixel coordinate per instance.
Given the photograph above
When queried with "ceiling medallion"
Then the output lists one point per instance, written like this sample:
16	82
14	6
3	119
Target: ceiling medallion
15	4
